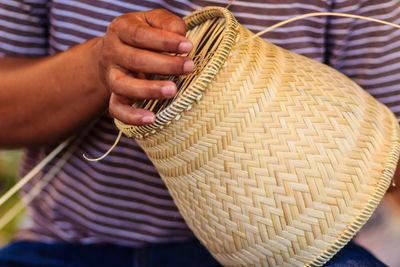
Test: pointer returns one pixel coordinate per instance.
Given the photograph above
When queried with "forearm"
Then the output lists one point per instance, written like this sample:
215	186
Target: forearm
44	100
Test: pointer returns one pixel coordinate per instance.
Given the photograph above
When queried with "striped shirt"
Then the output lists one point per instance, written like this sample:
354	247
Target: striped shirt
122	199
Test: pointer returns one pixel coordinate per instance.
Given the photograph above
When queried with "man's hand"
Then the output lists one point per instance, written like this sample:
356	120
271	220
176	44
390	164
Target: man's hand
132	47
44	100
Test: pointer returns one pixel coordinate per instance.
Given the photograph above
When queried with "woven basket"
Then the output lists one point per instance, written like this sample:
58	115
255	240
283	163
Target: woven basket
272	158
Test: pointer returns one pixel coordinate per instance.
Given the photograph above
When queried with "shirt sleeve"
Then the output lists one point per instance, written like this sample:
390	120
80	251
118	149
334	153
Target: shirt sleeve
23	28
365	51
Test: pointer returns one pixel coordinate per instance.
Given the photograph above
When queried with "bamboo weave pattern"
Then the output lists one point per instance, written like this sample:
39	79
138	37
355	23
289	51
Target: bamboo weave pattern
280	162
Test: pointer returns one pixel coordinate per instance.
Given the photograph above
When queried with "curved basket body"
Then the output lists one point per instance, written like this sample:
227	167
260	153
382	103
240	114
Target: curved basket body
281	161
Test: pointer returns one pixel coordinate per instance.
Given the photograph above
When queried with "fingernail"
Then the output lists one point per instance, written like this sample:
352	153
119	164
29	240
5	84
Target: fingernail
168	90
185	47
188	66
148	119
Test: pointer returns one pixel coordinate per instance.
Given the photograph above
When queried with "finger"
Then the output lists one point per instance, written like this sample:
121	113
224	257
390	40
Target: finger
139	60
127	86
163	19
120	108
147	37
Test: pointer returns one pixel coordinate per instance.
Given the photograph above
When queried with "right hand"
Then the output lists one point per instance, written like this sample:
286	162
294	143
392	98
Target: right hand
131	48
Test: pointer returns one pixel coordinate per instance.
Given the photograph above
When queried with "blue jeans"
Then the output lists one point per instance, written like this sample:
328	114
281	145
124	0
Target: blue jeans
192	253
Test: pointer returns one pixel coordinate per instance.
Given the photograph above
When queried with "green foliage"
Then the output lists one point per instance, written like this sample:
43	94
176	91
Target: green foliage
8	172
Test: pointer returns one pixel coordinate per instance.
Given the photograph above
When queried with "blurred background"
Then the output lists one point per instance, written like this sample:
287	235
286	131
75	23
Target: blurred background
381	235
9	160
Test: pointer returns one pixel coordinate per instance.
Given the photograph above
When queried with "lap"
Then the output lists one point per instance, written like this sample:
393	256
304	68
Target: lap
35	254
353	255
191	253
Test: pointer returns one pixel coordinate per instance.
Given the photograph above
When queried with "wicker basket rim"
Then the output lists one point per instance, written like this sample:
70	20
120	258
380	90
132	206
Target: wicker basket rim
194	92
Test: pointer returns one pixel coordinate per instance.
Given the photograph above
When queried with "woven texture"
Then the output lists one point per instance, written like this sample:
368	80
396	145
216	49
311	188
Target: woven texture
280	162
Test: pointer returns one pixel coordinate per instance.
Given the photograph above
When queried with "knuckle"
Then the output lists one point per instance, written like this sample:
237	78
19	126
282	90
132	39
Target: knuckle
107	79
111	112
135	34
160	12
106	55
113	26
133	60
116	87
168	42
177	25
116	83
111	109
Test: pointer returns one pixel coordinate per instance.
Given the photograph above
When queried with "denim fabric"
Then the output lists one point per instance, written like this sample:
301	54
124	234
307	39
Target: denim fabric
191	254
34	254
352	255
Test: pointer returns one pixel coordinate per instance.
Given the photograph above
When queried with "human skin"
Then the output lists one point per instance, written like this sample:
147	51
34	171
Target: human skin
44	100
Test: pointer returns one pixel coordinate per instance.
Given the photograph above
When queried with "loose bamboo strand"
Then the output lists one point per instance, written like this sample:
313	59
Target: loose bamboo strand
34	171
229	4
316	14
11	213
40	185
108	151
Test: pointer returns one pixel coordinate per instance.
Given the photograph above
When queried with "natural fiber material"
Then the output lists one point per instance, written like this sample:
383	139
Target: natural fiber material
280	162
